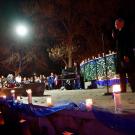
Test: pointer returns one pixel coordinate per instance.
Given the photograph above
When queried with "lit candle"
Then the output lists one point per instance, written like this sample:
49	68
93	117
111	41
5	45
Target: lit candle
110	52
89	104
117	98
49	101
13	94
29	93
67	133
4	96
18	98
116	88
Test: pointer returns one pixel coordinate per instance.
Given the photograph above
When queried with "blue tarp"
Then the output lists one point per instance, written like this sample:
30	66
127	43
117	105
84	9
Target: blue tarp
121	122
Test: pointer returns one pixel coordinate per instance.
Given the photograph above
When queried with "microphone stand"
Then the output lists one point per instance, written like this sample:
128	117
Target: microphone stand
107	85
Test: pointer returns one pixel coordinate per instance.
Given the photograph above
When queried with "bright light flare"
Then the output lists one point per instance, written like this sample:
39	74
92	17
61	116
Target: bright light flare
89	104
21	30
12	91
116	88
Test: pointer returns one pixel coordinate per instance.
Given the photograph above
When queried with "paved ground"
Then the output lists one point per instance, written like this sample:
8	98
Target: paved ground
79	96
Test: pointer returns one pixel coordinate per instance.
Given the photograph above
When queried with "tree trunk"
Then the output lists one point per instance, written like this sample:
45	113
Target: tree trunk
69	50
70	56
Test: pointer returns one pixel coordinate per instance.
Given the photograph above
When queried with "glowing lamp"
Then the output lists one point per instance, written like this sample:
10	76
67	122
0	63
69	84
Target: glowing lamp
21	30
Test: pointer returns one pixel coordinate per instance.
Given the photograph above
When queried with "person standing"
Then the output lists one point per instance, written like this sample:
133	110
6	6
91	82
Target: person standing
56	81
51	81
77	83
125	62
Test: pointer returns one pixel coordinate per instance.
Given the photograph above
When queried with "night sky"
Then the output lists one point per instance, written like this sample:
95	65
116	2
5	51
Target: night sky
89	20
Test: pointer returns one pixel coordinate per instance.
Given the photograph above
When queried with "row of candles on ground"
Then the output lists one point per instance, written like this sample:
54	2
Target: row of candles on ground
29	95
88	102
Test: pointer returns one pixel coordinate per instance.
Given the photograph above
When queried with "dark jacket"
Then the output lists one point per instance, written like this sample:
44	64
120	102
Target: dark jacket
124	47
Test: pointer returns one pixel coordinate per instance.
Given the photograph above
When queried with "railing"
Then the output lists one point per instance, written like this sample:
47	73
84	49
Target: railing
99	68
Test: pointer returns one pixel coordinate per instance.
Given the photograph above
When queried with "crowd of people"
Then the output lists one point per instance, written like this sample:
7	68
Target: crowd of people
11	81
53	81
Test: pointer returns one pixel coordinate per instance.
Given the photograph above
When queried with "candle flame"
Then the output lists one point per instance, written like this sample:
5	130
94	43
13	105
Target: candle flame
18	98
12	91
89	102
116	88
29	91
4	96
49	101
